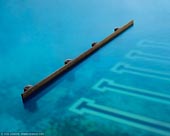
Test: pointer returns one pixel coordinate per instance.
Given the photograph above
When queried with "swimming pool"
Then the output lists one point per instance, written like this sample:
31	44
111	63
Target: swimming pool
123	89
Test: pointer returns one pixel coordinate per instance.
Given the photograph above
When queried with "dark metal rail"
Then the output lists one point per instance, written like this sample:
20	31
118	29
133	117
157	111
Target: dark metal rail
34	89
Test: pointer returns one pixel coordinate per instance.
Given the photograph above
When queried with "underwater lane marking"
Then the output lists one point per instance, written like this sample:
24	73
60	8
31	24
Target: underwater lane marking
155	45
149	43
109	85
134	54
124	67
86	106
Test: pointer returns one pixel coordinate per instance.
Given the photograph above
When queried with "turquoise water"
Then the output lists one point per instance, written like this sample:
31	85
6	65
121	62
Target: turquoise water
123	89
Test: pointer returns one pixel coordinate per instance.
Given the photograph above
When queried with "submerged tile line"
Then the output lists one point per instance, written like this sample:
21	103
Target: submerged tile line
135	54
105	85
156	47
88	106
124	67
149	43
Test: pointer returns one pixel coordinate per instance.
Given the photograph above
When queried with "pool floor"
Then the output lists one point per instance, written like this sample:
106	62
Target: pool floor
121	90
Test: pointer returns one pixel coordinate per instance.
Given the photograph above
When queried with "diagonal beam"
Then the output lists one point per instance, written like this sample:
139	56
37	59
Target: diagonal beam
36	88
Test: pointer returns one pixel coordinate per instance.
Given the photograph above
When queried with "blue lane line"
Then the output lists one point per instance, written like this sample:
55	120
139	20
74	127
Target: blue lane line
110	85
124	67
149	43
134	54
84	105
